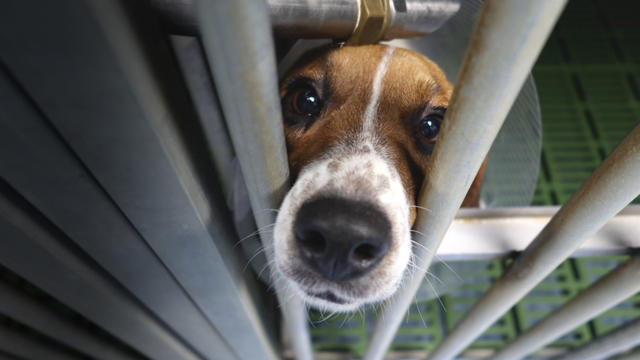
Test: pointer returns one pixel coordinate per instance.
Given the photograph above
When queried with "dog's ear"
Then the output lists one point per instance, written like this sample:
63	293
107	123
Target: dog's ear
473	195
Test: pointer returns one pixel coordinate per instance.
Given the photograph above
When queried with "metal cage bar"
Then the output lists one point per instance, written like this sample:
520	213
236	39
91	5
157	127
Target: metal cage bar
33	248
615	287
41	318
625	337
473	233
125	113
631	355
100	228
242	60
612	186
485	90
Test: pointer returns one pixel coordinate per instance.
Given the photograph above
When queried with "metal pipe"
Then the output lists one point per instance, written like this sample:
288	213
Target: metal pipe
321	19
506	41
415	18
623	338
615	287
612	186
493	233
243	64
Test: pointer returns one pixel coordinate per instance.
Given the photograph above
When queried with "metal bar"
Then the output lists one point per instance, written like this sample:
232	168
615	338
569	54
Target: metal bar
326	19
483	234
507	40
190	55
36	162
621	339
27	348
631	355
103	74
29	311
196	74
242	61
615	287
37	251
611	187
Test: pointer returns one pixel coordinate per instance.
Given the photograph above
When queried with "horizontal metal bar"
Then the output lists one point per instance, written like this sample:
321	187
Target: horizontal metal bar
621	339
29	311
326	19
482	234
36	162
137	133
484	92
609	189
27	348
37	251
243	65
615	287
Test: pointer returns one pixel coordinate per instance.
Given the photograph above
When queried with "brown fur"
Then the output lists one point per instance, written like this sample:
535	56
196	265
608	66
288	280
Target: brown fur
412	87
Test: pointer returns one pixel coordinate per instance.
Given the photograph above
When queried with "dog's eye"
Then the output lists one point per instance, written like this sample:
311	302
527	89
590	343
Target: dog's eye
305	101
429	127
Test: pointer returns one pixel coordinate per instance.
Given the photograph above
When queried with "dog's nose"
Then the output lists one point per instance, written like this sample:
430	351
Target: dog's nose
341	239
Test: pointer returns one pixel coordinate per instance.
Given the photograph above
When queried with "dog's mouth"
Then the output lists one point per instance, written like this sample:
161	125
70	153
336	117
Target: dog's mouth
330	297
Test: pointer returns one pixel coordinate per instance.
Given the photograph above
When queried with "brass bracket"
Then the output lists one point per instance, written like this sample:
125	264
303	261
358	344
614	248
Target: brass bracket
373	22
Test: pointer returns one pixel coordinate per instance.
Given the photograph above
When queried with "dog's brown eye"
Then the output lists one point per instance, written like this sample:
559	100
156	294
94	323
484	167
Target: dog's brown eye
429	127
305	101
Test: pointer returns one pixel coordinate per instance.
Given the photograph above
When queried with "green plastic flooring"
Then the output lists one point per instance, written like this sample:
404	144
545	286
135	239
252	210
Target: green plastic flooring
588	79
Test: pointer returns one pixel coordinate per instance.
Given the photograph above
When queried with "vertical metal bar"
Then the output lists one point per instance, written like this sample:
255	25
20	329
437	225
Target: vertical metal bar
196	74
615	287
27	310
27	348
238	41
506	42
623	338
611	187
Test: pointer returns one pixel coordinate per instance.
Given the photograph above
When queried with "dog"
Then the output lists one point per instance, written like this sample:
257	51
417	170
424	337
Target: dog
360	125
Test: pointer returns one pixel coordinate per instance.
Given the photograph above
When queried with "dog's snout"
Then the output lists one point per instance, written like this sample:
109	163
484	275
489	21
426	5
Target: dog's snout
341	239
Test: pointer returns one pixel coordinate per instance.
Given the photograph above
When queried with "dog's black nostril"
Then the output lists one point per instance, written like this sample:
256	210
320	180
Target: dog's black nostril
341	239
366	252
311	241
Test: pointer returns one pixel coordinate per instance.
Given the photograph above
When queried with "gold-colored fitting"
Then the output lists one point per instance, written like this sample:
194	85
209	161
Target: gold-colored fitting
373	23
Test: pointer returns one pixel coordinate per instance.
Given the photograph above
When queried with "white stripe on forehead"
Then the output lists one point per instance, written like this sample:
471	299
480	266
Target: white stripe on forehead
368	126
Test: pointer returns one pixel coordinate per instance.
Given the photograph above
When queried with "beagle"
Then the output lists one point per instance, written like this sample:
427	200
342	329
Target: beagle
360	126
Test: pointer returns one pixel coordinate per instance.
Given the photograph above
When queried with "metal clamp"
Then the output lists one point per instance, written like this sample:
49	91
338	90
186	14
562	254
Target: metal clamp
373	23
359	21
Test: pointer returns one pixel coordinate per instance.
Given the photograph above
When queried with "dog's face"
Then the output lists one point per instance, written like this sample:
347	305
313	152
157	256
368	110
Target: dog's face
360	125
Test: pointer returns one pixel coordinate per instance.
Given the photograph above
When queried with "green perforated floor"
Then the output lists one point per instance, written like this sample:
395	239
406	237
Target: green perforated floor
588	78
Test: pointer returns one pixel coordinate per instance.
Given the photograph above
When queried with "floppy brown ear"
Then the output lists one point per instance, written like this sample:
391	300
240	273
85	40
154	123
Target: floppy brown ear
473	195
